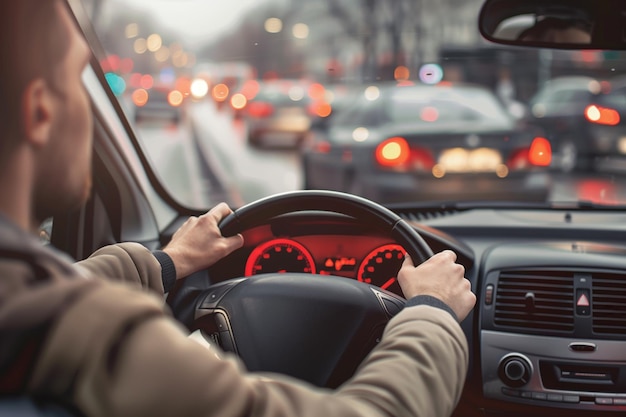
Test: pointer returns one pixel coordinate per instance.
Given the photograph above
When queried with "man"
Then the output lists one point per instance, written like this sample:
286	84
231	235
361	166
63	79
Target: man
555	30
68	333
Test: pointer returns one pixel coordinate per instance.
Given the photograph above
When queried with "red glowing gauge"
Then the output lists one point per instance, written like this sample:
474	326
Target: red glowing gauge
380	267
279	256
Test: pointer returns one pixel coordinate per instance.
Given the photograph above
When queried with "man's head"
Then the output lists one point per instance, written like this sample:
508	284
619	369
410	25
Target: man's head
45	113
555	30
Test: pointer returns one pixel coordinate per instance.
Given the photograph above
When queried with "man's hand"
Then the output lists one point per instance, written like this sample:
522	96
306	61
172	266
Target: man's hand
199	243
440	277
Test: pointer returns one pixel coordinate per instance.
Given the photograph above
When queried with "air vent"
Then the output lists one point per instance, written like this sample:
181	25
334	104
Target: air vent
537	300
609	303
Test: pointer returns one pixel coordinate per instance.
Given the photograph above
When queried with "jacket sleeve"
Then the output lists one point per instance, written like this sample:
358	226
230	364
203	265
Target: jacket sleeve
128	262
129	358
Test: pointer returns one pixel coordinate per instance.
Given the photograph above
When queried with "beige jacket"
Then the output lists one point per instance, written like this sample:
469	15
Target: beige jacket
112	350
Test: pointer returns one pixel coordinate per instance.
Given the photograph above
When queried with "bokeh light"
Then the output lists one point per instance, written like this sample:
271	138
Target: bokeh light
175	98
131	31
140	46
199	88
140	97
273	25
372	93
300	31
117	83
154	42
431	74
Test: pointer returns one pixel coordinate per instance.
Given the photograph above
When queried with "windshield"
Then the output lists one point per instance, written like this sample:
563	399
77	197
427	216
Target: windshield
399	101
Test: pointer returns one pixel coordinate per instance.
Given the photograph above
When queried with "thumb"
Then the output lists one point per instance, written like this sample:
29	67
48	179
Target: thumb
234	242
408	262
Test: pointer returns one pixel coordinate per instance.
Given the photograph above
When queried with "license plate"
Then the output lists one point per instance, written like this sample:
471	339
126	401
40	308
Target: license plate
462	160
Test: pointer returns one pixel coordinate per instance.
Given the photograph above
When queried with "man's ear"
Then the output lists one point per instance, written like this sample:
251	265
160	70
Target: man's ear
37	111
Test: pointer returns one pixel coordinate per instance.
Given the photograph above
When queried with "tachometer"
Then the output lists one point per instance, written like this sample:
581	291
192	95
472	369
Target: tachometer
380	267
280	255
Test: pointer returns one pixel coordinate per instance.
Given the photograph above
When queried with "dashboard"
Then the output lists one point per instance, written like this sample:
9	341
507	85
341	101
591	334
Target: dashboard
321	244
548	333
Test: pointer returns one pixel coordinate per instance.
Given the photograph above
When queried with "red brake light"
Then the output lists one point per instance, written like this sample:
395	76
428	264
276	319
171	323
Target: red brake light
396	153
540	153
602	115
393	152
320	109
322	146
260	109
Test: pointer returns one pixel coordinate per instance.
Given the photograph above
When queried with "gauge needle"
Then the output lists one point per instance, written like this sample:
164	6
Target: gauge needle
388	283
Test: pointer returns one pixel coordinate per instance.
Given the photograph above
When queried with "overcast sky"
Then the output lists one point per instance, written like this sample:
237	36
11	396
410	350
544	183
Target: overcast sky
195	19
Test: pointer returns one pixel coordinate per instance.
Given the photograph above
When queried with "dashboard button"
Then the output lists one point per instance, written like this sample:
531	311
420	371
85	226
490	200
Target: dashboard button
540	396
510	392
221	321
604	401
571	399
583	305
489	295
555	397
619	401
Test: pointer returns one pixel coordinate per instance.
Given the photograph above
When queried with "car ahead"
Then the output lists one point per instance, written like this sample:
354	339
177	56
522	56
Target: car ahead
584	119
158	103
281	112
397	143
548	334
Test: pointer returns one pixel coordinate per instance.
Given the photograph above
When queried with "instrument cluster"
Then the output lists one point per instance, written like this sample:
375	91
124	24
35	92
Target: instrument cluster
370	259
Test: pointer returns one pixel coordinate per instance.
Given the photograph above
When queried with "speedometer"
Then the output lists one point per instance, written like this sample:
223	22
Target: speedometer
280	255
380	267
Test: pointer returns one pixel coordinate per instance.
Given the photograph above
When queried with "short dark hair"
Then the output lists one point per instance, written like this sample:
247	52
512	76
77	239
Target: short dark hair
33	43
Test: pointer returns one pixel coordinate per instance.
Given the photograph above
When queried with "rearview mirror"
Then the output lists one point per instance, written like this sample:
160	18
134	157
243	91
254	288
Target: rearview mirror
561	24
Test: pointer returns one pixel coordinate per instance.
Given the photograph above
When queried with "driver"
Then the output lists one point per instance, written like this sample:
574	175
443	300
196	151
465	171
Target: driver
82	335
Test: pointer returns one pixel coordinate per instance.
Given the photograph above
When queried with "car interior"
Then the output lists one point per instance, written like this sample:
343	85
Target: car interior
547	335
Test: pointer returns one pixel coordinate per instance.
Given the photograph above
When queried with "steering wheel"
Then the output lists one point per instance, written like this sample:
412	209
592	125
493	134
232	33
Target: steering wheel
313	327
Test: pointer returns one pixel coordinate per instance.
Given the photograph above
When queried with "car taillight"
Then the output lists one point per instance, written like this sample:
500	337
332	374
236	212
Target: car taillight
393	152
602	115
320	109
322	146
396	153
260	109
540	153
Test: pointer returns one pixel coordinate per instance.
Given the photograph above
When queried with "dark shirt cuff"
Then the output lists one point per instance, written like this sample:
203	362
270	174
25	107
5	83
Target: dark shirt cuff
429	300
168	270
